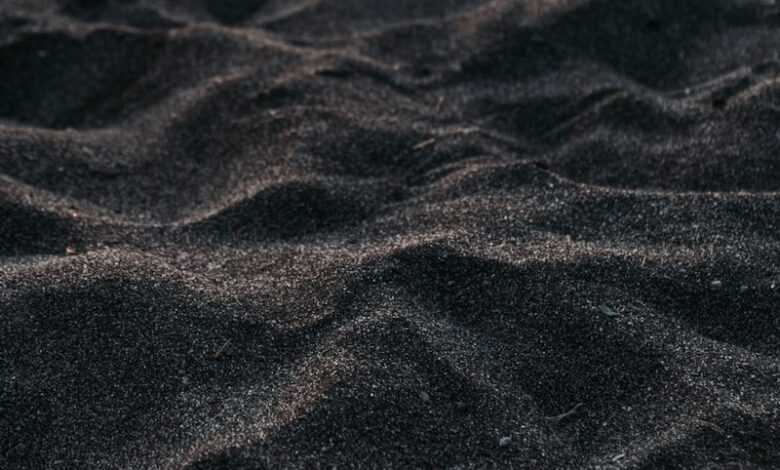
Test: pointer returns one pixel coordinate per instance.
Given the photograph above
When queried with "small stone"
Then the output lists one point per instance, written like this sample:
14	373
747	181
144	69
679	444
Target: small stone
716	283
185	380
425	397
504	441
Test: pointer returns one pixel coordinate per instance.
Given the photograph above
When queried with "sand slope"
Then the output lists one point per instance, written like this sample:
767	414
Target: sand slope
389	234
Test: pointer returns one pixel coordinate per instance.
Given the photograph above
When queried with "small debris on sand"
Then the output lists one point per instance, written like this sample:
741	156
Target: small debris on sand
608	311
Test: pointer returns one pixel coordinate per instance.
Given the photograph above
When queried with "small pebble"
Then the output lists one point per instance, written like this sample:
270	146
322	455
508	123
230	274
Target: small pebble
504	441
716	283
425	397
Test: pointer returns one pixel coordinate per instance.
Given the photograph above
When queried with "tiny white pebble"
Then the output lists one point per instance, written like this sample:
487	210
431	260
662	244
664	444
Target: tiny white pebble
504	441
716	283
425	397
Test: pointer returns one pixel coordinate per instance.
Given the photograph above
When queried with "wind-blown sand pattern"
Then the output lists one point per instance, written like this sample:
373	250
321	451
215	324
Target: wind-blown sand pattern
389	234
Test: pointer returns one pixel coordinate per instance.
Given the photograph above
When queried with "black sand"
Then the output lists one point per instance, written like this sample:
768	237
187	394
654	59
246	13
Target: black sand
389	234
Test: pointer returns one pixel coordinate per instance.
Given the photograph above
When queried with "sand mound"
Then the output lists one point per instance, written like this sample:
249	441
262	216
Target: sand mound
439	234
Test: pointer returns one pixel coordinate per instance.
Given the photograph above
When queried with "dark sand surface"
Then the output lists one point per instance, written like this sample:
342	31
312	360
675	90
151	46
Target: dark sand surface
389	234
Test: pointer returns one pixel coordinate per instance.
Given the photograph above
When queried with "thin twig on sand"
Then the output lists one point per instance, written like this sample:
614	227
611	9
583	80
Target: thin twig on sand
425	143
562	416
221	350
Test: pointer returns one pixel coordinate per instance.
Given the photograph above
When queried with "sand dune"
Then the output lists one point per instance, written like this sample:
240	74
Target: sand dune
373	234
